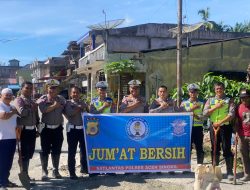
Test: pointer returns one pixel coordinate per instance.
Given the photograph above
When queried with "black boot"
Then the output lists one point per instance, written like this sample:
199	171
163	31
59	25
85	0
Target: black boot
229	164
55	163
44	162
72	173
25	164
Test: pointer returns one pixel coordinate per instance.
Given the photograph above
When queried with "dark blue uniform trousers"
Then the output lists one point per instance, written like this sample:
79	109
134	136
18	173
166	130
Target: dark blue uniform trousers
74	137
7	151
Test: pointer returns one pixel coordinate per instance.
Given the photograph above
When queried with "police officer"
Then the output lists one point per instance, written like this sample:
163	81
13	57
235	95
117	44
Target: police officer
73	110
134	103
193	104
28	120
102	103
163	104
51	107
220	110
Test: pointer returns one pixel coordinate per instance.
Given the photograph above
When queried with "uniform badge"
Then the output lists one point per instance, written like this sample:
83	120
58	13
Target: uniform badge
92	126
179	127
137	129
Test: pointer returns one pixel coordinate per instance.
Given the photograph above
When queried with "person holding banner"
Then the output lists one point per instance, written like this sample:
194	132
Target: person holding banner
102	103
51	132
163	104
193	104
28	120
134	103
243	131
73	112
221	110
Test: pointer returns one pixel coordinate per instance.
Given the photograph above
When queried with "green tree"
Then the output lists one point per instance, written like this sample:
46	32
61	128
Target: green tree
241	27
204	13
211	25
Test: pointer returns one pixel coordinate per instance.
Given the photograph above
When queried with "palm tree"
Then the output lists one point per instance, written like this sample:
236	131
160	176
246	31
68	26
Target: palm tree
204	13
241	27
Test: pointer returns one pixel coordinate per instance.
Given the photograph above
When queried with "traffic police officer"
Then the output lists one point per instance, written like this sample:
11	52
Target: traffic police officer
221	109
51	107
28	120
134	103
102	103
163	104
193	104
73	110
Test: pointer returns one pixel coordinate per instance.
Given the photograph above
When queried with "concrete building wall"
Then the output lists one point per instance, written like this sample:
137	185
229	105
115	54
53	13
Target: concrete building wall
229	56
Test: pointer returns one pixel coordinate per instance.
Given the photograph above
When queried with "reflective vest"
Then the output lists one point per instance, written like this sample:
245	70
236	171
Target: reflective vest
219	113
188	105
99	104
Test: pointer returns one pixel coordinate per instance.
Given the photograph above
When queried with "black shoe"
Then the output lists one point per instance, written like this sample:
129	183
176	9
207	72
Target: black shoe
93	175
111	174
74	177
31	179
45	177
83	171
145	173
11	184
186	172
127	174
56	174
171	173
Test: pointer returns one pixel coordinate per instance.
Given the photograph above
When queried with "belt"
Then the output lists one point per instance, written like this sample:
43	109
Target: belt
51	126
75	126
29	127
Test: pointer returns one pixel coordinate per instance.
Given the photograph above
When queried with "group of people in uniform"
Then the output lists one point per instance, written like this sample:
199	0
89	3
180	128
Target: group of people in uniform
220	110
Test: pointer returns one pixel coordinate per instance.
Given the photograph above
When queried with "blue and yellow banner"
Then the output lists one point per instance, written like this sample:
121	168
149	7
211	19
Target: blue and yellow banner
138	142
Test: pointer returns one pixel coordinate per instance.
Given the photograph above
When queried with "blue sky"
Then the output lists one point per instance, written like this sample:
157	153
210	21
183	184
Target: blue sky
42	28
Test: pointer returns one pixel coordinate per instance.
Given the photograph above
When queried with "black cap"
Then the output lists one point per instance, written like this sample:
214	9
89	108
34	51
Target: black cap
244	93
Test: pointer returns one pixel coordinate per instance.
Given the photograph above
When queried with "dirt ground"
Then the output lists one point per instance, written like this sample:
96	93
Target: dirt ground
152	181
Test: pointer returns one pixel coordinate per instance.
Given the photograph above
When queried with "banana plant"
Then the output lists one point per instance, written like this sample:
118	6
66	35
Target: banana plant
232	87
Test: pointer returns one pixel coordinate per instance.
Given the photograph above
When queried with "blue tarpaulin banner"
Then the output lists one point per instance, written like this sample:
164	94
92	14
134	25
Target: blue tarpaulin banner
138	142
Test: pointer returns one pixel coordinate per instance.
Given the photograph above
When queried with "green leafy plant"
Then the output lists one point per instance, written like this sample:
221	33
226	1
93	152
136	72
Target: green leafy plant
119	67
232	87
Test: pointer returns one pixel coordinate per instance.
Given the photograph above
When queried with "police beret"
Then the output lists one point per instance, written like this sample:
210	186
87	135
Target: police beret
193	87
134	83
52	82
102	84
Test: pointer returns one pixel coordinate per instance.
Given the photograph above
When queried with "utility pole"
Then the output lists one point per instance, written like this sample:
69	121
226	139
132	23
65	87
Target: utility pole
179	53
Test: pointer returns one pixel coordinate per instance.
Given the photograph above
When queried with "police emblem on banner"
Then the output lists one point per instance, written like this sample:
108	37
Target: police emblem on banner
179	127
137	129
92	126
